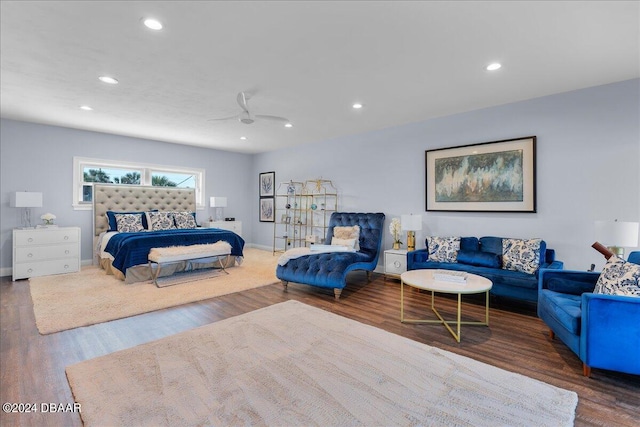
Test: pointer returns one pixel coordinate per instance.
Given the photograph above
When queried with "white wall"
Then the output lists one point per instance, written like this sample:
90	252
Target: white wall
40	158
588	168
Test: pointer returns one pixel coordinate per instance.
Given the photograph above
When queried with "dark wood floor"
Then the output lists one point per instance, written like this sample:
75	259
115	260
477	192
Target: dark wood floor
32	365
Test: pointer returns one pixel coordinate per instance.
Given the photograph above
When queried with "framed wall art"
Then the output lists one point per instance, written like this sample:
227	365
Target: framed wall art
267	209
498	176
267	182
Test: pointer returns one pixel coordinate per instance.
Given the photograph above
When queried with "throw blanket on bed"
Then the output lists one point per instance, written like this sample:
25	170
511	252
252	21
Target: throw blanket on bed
129	249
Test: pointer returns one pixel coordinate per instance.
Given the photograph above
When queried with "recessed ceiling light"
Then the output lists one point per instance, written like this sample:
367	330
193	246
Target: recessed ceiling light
288	125
494	66
357	105
244	138
109	80
153	24
86	108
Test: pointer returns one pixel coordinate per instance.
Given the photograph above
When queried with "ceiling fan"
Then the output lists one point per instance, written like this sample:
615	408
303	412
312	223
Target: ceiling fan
246	116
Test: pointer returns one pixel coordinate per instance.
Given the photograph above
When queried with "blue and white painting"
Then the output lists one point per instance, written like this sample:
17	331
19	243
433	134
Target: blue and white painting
487	177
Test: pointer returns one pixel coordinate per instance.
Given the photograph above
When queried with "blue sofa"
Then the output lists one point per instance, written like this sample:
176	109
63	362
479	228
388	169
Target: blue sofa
603	330
482	257
329	270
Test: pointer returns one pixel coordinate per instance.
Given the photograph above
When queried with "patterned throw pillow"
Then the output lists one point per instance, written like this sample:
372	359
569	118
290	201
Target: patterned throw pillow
129	223
352	232
521	255
160	221
443	249
184	220
619	277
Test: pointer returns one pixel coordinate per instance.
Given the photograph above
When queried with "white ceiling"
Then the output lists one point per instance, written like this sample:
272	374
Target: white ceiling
304	60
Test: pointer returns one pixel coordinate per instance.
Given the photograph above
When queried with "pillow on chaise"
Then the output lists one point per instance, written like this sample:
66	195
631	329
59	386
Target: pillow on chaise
619	277
351	232
348	243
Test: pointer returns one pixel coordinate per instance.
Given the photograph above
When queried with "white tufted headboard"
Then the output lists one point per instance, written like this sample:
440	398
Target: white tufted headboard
133	198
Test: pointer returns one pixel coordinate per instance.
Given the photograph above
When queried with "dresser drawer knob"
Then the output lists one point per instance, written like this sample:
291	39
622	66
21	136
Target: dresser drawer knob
66	237
30	239
66	266
66	252
29	255
397	264
30	270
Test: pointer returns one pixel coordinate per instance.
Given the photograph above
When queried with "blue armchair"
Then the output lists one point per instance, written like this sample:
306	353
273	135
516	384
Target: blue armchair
603	330
329	270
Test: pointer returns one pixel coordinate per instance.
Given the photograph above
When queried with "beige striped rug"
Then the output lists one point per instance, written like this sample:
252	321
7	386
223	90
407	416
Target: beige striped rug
291	364
68	301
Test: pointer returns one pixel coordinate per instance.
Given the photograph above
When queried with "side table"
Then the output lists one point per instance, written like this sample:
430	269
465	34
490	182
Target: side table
395	262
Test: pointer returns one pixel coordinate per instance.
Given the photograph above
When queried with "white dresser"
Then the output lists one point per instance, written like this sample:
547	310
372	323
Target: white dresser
235	226
44	251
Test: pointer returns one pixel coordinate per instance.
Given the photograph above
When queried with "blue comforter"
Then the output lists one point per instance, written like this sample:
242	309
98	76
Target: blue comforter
129	249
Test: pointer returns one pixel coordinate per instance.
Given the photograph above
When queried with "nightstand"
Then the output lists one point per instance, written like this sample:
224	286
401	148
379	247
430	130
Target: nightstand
395	262
44	251
235	226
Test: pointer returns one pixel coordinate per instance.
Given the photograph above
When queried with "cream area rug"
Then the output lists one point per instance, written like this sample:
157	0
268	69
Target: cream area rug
91	296
291	364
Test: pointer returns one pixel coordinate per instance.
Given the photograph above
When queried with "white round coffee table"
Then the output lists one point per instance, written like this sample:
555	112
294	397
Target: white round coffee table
424	279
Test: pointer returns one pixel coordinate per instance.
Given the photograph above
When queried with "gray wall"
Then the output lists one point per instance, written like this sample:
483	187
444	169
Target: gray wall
588	159
40	158
588	168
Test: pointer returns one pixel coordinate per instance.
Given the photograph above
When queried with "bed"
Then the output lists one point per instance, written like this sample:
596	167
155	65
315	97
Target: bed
124	254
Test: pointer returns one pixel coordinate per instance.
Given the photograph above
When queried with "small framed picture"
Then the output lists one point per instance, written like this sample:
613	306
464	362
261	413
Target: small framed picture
267	182
285	219
267	213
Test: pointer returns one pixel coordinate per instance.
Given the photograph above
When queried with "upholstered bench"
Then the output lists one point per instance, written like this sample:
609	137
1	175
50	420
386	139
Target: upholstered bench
159	256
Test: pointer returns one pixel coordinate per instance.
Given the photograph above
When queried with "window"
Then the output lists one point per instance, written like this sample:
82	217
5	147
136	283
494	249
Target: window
86	172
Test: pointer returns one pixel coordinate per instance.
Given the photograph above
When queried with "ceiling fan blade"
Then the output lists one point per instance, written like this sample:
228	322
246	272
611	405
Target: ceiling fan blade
242	101
272	118
224	118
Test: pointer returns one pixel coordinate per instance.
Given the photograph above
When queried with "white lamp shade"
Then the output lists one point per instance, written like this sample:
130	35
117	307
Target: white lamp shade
617	233
411	222
218	202
26	199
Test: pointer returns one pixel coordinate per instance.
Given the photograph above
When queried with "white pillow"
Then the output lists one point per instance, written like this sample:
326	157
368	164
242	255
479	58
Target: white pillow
349	243
129	223
443	249
160	221
350	232
184	220
619	277
521	255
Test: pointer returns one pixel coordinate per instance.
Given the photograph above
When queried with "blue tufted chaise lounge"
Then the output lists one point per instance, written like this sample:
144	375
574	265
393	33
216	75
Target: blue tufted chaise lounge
603	330
329	270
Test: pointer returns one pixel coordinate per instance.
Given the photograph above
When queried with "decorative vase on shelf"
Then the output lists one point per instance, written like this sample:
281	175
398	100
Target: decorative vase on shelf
396	245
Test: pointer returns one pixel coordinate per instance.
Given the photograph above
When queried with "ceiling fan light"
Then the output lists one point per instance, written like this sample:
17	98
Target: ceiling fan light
493	67
288	125
108	80
357	105
85	108
152	24
244	138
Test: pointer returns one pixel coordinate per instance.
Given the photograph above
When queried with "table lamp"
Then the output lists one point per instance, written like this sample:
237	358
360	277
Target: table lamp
411	223
26	200
218	203
617	235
